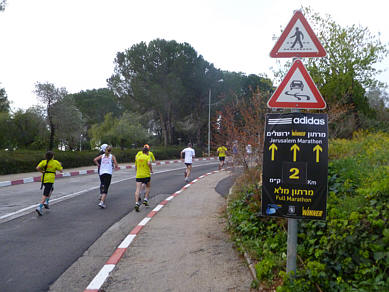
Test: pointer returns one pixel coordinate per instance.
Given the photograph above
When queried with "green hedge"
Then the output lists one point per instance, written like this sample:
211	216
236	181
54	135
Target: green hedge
349	251
26	160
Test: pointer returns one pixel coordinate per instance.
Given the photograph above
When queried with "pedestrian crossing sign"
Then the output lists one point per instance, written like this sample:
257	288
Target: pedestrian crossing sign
298	40
297	90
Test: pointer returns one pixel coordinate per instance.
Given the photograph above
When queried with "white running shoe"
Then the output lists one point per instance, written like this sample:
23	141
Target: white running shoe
102	205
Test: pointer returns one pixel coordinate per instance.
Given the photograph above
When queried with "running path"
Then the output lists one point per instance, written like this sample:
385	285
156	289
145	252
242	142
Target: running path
228	267
17	179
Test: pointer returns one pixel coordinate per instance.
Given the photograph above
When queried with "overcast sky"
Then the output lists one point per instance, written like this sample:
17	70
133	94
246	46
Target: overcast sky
73	43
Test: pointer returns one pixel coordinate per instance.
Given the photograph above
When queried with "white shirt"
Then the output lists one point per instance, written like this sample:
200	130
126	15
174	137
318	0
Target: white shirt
106	164
189	153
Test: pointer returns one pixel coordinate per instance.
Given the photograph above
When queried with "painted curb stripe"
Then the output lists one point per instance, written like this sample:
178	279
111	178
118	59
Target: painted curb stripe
136	229
116	256
99	280
127	241
103	274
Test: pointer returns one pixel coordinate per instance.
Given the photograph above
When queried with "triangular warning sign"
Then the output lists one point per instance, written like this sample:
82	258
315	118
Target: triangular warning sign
298	40
297	90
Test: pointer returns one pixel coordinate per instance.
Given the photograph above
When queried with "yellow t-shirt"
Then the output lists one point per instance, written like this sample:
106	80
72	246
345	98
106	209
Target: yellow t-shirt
142	165
53	166
151	155
222	151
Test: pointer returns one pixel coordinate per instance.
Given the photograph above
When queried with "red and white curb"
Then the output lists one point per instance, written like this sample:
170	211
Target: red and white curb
100	278
83	172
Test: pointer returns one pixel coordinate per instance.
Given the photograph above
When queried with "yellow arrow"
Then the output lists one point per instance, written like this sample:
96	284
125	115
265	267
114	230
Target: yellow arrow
294	148
273	148
317	148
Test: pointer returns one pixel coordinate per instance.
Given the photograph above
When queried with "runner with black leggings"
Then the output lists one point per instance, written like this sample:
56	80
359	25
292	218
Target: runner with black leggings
105	172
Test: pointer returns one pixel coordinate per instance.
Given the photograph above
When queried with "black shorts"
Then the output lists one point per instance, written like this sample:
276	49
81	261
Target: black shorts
188	164
144	180
48	189
105	181
222	158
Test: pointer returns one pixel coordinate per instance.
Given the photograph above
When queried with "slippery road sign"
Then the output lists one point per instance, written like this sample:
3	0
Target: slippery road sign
297	90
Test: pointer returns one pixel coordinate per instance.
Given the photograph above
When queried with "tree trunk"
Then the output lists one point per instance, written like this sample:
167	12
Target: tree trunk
164	129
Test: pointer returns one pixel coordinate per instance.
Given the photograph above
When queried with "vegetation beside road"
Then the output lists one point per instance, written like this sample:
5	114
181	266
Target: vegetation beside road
26	160
347	252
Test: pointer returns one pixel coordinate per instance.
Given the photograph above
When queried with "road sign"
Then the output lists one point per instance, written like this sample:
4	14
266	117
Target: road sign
295	166
297	90
298	40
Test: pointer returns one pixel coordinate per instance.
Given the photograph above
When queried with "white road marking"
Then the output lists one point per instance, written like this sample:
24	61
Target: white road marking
99	280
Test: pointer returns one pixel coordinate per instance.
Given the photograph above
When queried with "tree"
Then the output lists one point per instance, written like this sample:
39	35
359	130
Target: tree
68	123
163	78
29	128
49	95
95	104
2	4
4	103
123	131
6	141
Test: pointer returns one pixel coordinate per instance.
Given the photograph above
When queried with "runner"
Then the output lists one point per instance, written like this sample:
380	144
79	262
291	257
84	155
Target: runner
143	176
221	151
151	155
105	172
101	152
189	154
48	168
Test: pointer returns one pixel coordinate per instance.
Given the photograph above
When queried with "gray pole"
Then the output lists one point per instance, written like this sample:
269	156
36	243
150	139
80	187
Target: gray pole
209	122
291	257
292	245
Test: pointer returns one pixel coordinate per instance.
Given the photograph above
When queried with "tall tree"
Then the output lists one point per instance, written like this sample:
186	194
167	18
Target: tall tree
2	4
95	104
158	77
4	103
68	123
29	128
49	95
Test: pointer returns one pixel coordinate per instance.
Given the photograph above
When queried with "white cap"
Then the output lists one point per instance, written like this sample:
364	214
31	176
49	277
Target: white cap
102	147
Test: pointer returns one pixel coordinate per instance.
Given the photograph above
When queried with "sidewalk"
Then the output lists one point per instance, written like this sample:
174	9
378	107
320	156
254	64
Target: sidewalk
180	246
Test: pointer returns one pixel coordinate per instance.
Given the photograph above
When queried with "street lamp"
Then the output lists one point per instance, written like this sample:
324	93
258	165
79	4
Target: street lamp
80	141
209	118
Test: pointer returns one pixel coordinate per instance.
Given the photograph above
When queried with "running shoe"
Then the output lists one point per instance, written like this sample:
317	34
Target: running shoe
102	205
46	205
137	207
39	211
145	202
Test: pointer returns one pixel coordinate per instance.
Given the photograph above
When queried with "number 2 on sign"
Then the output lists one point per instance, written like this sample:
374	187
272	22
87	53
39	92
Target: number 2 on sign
295	173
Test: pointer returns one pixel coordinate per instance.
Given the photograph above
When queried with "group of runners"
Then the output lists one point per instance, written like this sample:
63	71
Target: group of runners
106	162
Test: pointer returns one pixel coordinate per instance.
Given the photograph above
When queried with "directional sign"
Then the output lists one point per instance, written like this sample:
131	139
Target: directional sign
295	166
297	90
298	40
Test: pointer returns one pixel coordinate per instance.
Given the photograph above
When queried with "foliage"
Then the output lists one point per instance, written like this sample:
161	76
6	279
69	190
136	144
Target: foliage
242	123
4	102
349	251
95	104
49	95
124	132
20	161
2	4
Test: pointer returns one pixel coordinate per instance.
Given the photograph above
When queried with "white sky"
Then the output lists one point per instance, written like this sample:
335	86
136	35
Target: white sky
73	43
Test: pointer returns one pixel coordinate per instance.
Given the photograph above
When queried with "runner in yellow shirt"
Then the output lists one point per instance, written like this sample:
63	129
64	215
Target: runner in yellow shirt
151	155
48	168
143	176
222	152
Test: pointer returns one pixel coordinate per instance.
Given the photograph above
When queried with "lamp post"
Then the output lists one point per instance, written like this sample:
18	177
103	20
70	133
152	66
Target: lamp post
209	122
80	141
209	118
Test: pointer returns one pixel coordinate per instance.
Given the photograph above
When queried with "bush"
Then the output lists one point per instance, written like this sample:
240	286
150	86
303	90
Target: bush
349	251
26	160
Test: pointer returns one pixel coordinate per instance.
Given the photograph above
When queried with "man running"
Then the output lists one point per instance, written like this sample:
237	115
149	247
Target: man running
143	176
189	154
48	168
221	151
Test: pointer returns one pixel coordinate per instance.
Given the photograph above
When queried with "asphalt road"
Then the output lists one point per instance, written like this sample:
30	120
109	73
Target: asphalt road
35	251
